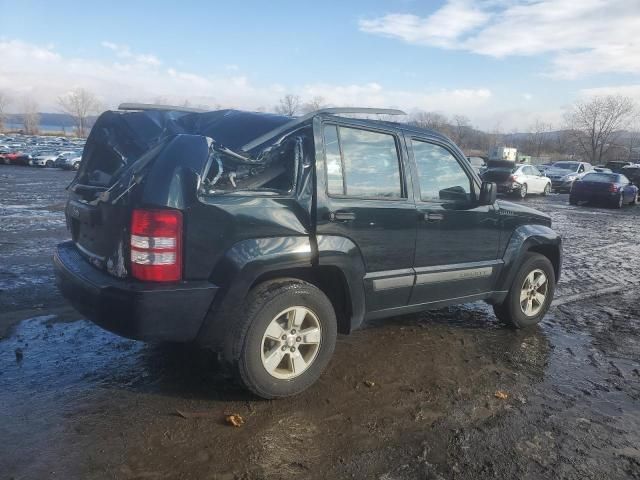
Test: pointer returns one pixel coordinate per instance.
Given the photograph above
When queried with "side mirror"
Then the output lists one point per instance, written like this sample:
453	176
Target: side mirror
488	193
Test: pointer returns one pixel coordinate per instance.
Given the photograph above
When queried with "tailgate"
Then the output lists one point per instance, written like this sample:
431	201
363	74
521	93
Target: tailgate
131	160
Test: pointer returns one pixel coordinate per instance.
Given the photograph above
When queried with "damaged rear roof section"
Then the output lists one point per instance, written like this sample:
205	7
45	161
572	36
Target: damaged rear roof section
119	139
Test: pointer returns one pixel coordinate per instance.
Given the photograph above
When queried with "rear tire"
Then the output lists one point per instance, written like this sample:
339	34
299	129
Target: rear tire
276	306
519	310
522	193
547	190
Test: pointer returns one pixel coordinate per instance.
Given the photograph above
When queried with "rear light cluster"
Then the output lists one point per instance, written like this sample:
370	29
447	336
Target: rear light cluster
156	245
613	188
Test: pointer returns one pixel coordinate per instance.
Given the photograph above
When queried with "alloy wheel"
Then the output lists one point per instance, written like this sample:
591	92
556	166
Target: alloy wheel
291	342
533	292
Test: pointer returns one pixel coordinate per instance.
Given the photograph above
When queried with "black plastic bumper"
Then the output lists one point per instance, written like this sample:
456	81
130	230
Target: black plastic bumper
133	309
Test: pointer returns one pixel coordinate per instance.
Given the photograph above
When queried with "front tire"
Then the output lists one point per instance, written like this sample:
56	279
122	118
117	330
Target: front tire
49	164
285	338
530	294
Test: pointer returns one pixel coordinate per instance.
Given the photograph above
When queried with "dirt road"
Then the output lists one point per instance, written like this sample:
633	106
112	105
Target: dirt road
411	397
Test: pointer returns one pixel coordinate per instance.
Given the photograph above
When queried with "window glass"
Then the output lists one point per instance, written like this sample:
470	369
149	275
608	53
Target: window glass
535	171
441	176
333	160
370	163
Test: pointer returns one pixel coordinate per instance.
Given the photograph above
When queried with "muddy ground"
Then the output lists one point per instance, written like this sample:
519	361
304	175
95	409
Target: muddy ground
412	397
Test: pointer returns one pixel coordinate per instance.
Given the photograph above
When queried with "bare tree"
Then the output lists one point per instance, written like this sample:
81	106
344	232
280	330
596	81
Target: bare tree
431	120
289	105
633	140
460	130
316	103
30	117
79	104
4	101
537	141
597	123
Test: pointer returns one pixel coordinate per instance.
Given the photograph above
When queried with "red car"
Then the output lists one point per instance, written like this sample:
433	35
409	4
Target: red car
16	158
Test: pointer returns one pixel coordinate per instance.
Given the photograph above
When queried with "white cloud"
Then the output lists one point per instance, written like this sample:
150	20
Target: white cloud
123	51
632	91
43	74
442	28
583	37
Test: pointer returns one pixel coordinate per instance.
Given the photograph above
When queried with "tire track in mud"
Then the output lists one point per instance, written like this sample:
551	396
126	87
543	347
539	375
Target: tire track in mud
607	260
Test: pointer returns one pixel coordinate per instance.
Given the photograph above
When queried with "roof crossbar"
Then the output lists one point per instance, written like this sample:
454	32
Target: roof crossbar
329	111
151	106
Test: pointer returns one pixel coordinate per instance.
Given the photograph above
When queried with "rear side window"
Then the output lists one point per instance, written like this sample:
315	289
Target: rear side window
361	163
442	178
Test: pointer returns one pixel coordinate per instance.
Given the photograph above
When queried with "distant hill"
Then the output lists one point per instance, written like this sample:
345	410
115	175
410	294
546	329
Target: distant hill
48	121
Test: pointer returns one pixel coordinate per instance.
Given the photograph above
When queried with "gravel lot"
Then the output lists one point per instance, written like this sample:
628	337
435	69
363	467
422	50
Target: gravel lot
410	397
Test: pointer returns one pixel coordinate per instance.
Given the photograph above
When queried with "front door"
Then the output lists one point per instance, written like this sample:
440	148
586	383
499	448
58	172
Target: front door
457	241
363	196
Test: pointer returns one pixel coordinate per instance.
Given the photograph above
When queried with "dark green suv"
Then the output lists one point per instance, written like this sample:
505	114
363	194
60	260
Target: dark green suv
262	236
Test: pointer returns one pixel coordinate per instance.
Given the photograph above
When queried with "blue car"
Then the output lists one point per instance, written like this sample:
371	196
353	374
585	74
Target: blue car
612	189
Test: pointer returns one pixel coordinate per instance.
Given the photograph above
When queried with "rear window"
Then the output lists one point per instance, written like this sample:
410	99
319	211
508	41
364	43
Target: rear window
362	163
601	177
566	165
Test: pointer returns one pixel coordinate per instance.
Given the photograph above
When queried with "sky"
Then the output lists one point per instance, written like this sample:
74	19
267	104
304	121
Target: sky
502	63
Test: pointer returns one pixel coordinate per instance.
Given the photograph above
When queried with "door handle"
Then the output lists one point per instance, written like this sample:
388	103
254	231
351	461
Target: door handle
342	216
433	217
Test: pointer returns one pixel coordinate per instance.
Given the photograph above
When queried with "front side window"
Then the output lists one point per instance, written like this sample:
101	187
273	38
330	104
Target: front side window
361	163
442	178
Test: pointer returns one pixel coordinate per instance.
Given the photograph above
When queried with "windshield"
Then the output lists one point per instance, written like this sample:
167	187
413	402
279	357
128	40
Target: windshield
601	177
566	165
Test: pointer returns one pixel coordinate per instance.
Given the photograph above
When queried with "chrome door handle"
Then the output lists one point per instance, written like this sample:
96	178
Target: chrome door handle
342	216
433	217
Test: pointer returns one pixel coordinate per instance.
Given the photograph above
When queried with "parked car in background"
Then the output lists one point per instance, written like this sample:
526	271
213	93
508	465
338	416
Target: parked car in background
262	236
612	189
602	170
632	172
544	167
17	158
477	163
46	159
563	174
69	160
518	180
616	166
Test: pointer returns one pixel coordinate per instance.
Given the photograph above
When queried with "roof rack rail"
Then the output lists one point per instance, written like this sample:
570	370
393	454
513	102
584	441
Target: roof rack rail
330	111
151	106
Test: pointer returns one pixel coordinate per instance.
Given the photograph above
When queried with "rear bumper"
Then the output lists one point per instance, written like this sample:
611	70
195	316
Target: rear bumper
132	309
508	187
595	197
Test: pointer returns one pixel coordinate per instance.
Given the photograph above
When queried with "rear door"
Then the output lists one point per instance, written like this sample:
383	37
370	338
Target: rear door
535	180
457	241
363	195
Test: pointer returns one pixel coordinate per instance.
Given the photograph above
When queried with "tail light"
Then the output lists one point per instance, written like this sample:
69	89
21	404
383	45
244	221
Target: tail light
613	188
156	245
512	178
